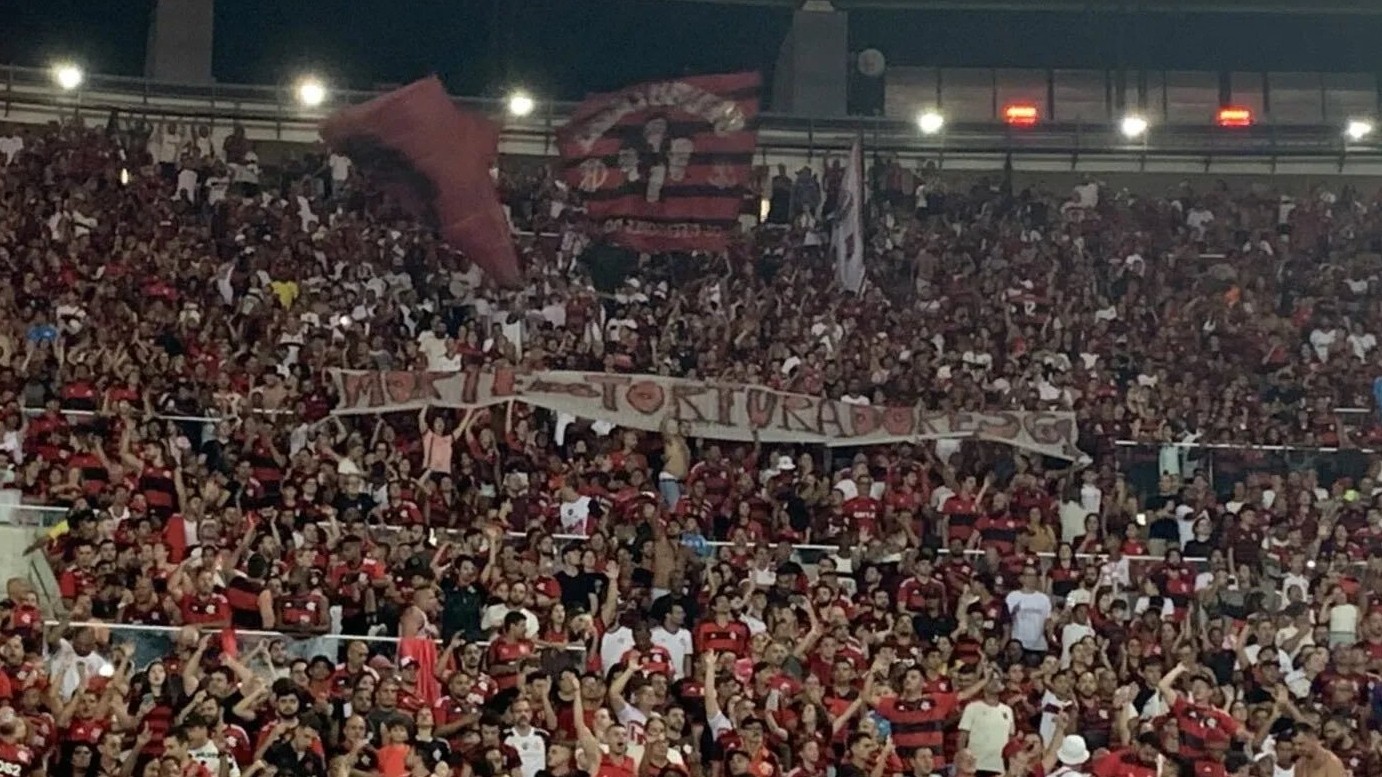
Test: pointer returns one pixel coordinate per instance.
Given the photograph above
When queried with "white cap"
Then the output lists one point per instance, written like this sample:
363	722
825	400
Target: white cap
785	463
1073	751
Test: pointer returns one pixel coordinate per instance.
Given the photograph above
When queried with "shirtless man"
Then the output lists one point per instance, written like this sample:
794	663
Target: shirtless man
1312	759
676	461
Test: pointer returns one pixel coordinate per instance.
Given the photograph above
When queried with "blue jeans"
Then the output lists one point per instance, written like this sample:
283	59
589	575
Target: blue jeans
670	490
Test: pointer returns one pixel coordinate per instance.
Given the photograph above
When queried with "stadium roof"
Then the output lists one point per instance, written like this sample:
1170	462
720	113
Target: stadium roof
1315	7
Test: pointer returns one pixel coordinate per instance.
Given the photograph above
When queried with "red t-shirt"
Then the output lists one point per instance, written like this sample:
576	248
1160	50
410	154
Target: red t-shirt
197	609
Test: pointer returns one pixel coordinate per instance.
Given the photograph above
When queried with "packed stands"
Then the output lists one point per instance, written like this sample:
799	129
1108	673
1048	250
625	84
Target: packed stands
262	586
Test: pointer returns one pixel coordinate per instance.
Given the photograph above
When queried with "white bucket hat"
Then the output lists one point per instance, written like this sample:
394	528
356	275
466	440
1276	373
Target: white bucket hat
1073	751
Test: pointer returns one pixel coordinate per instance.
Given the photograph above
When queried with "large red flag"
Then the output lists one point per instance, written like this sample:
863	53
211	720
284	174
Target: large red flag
664	166
424	651
435	158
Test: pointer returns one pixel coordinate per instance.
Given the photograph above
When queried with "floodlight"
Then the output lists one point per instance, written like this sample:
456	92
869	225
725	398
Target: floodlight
68	76
930	122
1133	126
521	104
311	92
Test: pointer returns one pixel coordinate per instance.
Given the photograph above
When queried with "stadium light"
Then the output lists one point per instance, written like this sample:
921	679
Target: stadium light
930	122
1133	126
1020	114
68	76
521	103
1359	129
1233	116
311	92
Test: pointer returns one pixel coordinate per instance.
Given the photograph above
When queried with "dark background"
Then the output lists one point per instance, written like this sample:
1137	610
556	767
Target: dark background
565	48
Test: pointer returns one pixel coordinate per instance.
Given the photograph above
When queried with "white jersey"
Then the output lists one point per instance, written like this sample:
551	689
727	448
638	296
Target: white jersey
532	749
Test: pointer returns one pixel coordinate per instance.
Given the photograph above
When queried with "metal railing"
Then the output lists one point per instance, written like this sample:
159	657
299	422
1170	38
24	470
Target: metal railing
1224	464
152	643
48	515
272	112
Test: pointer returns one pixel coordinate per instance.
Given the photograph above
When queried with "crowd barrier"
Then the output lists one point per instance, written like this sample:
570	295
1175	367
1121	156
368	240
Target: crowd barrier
1224	464
32	412
46	515
152	642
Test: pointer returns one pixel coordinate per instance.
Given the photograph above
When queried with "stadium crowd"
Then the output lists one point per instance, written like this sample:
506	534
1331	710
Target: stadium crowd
574	599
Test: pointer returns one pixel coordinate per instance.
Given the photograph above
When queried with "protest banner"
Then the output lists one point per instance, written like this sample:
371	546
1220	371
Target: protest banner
710	410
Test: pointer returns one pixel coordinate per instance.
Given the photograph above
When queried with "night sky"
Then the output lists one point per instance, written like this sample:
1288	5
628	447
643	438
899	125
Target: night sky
567	48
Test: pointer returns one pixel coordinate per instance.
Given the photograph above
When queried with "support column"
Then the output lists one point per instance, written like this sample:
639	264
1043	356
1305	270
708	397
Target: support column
180	42
812	74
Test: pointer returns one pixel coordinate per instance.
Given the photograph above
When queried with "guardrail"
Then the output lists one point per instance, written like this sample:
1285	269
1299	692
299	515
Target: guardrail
270	113
52	514
151	643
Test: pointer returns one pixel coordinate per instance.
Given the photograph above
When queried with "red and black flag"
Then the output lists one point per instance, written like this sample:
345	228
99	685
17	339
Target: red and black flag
663	166
435	158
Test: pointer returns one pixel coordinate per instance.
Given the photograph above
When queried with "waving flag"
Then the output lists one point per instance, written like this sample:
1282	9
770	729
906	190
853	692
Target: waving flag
424	651
663	166
847	237
435	158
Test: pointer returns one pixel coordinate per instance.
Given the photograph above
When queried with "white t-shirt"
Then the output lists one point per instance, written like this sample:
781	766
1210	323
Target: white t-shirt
187	182
446	363
1283	660
532	749
1288	634
990	726
1050	706
1343	619
1361	344
1091	499
1299	683
1087	195
493	618
209	756
615	644
10	146
1072	515
216	188
574	514
1292	580
1322	340
64	663
677	645
432	346
340	167
1198	219
1029	612
1070	635
169	144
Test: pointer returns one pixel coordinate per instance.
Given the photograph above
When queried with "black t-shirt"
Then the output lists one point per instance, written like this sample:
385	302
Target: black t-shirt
929	628
367	760
1163	528
849	770
1220	662
289	761
436	749
577	589
361	501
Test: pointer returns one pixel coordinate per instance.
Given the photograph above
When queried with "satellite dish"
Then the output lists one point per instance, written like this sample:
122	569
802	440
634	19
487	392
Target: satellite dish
872	63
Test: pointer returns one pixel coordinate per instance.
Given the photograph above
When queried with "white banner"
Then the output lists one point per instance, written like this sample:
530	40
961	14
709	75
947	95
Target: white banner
847	238
711	410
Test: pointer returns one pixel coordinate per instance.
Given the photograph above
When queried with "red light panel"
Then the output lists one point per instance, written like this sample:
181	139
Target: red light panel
1020	114
1234	117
